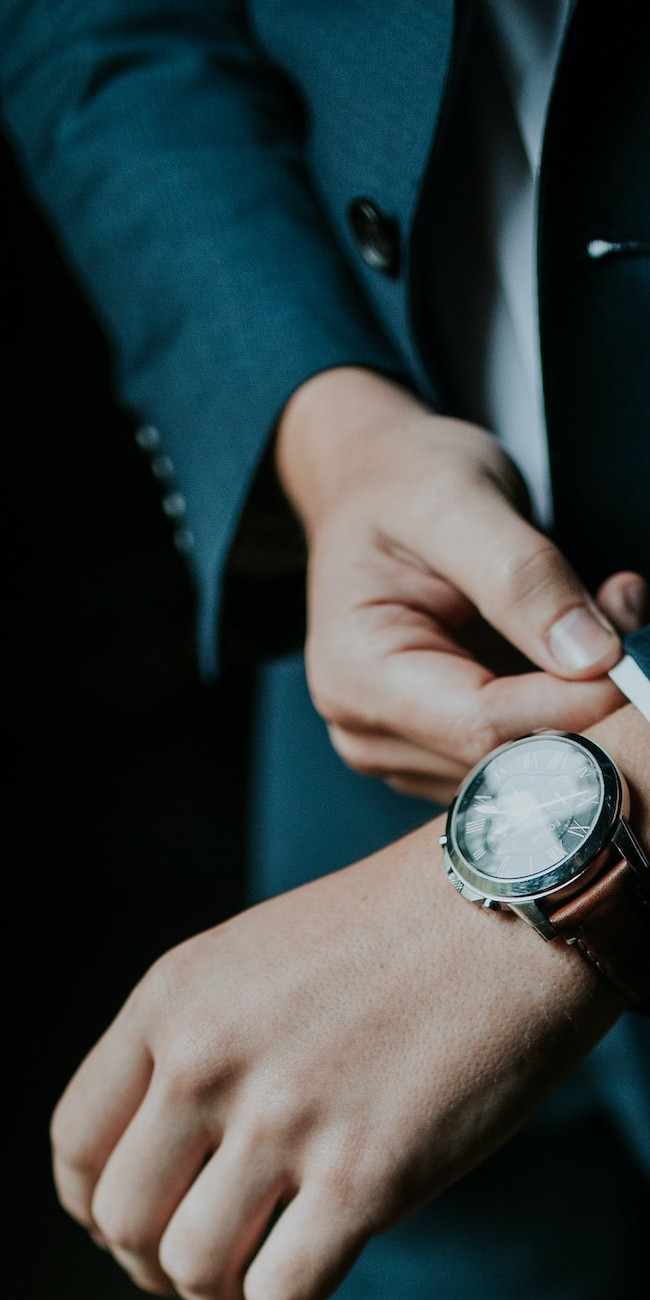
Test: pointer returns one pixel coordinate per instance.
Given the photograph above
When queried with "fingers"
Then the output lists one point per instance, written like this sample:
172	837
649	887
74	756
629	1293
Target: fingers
309	1251
221	1222
522	584
147	1175
223	1218
407	702
442	712
94	1111
624	599
459	710
423	716
384	755
432	790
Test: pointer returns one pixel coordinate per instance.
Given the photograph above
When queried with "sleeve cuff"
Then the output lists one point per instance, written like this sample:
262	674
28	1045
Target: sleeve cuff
632	673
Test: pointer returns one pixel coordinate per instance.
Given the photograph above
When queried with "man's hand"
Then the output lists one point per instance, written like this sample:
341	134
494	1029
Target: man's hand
278	1089
419	549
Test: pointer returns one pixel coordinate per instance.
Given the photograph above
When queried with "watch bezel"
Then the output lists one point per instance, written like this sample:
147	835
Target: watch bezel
560	875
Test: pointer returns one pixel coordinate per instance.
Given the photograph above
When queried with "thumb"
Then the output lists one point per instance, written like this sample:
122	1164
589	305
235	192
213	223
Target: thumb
522	584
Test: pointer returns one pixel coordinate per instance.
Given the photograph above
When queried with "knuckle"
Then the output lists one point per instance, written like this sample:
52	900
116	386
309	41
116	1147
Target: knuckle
190	1058
282	1112
327	701
476	738
524	578
333	686
281	1279
340	1184
402	785
116	1225
320	698
356	752
182	1263
190	1068
145	1274
450	482
497	469
436	790
274	1280
443	791
63	1145
147	1283
348	1161
156	993
72	1150
324	702
352	1190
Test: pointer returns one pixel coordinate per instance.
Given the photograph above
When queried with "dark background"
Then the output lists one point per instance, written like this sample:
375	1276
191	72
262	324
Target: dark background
124	777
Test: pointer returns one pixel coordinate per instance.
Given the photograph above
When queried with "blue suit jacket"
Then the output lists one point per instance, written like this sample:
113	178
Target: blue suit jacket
199	158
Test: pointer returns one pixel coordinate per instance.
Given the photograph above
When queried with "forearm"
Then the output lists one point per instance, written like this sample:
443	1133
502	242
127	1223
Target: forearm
625	734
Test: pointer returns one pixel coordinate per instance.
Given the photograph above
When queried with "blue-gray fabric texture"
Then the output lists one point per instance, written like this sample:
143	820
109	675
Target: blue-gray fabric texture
198	158
637	644
168	151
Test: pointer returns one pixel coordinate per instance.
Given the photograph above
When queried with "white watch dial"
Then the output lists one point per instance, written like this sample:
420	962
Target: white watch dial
528	808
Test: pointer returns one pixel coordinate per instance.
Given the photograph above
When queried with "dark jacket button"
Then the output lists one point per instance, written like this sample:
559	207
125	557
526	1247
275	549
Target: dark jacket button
376	235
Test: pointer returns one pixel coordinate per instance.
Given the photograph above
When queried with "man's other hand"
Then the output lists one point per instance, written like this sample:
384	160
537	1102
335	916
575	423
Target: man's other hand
432	599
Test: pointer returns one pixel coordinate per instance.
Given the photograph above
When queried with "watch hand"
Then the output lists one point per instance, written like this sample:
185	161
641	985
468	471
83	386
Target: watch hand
563	798
533	805
517	818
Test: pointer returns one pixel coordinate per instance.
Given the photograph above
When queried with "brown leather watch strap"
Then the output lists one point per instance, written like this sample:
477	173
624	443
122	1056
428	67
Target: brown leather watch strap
609	922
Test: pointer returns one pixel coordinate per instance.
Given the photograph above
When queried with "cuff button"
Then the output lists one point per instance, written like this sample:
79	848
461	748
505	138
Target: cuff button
376	236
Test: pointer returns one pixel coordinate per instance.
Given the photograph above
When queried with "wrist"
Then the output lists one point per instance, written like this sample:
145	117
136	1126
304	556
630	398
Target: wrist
333	433
348	432
625	735
541	988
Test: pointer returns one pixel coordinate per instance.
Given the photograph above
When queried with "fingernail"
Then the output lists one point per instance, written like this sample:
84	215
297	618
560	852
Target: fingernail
581	638
635	597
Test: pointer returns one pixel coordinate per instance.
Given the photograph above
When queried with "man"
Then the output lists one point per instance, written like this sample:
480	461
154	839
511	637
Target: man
279	1091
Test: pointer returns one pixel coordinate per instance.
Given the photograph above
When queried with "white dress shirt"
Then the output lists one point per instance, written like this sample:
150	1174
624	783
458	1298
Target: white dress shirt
489	313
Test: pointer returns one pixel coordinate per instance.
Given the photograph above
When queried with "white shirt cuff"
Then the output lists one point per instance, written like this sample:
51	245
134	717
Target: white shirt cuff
633	683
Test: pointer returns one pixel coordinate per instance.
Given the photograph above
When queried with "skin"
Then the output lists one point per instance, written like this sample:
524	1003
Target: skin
280	1088
343	1053
423	575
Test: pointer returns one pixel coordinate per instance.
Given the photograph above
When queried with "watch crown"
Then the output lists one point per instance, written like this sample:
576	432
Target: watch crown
442	839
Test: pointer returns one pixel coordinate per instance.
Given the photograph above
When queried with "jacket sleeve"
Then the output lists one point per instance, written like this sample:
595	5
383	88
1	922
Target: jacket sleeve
168	153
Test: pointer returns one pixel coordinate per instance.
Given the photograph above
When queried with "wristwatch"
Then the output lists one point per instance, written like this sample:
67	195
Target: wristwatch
540	827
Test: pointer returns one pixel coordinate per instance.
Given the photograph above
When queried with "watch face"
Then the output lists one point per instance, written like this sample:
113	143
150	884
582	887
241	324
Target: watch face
531	807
